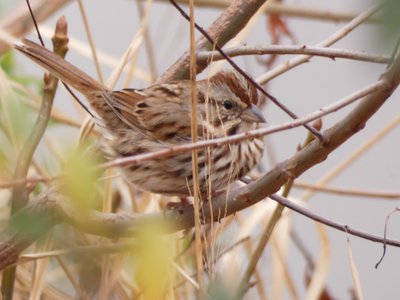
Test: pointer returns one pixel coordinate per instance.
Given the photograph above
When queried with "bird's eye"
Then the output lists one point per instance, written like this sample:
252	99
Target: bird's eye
228	104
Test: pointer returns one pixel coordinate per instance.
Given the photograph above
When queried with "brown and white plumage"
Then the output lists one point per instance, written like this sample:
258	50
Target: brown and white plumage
158	117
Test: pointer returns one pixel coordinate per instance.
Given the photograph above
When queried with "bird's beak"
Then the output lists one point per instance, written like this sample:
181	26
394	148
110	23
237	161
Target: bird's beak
252	115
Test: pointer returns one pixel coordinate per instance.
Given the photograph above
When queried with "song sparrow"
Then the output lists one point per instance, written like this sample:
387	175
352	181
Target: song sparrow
159	117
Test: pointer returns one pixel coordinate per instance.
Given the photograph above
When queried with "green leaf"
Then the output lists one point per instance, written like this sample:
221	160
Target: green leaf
79	183
7	62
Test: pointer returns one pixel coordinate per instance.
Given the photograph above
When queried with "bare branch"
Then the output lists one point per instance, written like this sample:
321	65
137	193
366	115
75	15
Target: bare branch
293	49
19	196
373	88
224	28
113	225
290	10
19	21
347	191
290	64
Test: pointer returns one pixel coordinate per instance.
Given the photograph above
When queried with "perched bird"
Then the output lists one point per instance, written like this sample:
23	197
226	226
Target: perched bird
159	117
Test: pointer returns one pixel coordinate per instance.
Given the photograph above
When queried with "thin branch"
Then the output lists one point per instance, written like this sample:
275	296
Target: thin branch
380	85
195	161
106	249
19	22
341	227
244	284
186	277
148	44
214	43
13	241
112	225
294	49
60	41
289	10
395	210
340	34
25	181
347	191
347	161
19	196
224	28
91	41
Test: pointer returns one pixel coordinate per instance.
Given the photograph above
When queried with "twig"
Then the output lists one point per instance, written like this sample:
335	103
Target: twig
195	161
290	64
60	41
19	196
378	86
186	277
24	181
341	227
91	42
224	28
353	156
13	241
384	236
149	45
293	49
354	272
19	21
249	248
35	24
105	59
244	284
346	191
222	253
290	10
214	42
113	225
106	248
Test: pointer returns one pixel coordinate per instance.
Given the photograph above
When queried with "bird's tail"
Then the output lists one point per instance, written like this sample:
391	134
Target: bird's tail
95	92
60	68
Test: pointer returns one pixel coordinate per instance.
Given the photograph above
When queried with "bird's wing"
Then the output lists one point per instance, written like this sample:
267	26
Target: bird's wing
163	118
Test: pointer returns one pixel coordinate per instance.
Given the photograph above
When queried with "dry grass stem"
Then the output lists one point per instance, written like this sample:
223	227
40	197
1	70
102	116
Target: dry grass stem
353	157
322	188
90	40
354	273
195	162
126	235
379	85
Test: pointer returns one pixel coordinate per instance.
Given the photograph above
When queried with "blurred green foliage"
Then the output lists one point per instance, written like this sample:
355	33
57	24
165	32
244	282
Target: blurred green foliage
10	67
15	118
16	115
152	263
7	62
80	180
390	17
30	225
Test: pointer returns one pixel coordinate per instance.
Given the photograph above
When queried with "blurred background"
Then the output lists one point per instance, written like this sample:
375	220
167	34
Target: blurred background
304	89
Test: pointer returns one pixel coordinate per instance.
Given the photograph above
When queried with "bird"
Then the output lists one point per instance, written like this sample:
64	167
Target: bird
158	117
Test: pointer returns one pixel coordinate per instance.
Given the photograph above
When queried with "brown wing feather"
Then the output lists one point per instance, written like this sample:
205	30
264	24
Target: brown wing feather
125	102
164	118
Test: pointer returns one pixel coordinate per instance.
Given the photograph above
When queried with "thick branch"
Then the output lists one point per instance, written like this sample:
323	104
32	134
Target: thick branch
118	225
224	28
